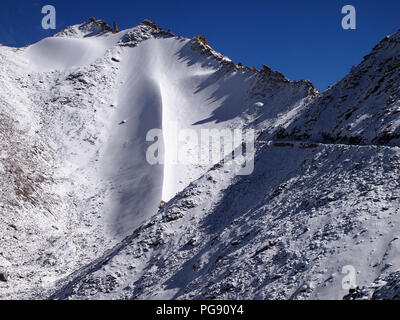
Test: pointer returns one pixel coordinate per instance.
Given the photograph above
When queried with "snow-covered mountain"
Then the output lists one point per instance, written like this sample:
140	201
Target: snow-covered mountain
362	108
80	205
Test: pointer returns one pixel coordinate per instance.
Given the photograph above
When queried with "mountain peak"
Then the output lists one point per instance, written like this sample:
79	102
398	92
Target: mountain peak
148	22
92	27
145	30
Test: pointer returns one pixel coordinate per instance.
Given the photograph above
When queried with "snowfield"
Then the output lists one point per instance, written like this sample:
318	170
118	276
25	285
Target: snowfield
80	205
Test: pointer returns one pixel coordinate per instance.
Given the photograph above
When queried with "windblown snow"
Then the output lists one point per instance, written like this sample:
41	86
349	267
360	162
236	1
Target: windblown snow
80	204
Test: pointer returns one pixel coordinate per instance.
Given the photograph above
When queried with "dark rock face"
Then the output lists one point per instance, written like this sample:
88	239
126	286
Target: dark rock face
149	23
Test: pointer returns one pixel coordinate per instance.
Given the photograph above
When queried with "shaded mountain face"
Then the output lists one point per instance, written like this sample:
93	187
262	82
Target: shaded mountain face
80	204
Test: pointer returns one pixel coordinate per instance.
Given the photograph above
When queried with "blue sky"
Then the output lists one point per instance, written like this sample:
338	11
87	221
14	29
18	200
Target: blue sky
301	38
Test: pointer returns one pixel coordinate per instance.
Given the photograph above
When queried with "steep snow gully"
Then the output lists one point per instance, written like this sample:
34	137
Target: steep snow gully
84	215
154	85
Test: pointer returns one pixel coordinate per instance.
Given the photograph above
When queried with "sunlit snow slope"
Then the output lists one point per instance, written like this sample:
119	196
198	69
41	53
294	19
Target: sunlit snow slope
321	207
79	106
81	208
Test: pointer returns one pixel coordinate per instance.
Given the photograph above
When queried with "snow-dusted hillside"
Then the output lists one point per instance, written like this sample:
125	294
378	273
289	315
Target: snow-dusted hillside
80	216
363	108
75	111
285	232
